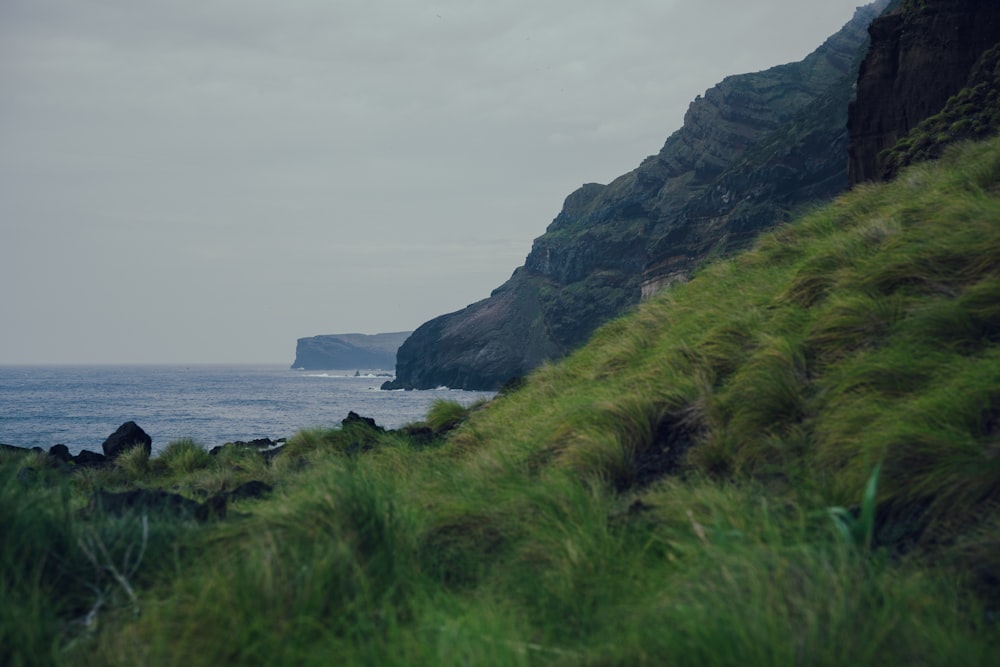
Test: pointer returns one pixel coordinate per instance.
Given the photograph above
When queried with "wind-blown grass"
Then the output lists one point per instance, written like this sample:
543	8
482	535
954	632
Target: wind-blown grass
678	491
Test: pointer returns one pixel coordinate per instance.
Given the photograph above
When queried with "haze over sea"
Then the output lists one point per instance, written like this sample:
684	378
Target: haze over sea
80	406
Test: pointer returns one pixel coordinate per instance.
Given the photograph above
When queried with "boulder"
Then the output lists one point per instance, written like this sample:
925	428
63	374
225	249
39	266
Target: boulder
353	418
60	453
127	436
89	459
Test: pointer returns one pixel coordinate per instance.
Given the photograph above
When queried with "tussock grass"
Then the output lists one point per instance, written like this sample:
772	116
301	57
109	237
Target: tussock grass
444	415
678	491
184	456
135	462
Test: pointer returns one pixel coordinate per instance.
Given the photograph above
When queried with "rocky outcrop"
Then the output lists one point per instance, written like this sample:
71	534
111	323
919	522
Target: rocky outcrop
347	351
127	436
971	115
923	52
482	345
751	150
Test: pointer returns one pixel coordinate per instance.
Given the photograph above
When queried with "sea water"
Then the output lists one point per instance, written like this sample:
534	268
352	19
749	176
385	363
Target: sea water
80	406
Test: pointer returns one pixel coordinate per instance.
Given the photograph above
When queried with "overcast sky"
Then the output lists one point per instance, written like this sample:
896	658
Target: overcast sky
200	181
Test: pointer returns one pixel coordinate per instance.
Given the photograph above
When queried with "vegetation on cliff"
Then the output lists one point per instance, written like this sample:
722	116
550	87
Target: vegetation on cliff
792	459
347	351
972	114
923	54
752	150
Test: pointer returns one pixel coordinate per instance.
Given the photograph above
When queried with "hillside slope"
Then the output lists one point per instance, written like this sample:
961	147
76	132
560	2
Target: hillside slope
794	458
867	331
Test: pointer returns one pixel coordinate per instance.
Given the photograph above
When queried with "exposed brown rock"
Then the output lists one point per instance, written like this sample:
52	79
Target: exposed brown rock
921	54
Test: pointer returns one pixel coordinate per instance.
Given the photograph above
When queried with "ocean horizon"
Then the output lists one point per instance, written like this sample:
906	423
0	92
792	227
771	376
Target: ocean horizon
80	405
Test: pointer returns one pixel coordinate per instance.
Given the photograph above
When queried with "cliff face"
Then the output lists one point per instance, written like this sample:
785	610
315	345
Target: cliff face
348	351
751	150
922	53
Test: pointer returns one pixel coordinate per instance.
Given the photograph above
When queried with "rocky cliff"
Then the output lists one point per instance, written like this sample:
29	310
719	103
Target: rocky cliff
348	351
923	54
750	151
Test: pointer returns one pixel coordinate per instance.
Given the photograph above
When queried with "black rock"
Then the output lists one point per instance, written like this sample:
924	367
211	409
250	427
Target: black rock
89	459
354	418
393	385
60	453
127	436
263	446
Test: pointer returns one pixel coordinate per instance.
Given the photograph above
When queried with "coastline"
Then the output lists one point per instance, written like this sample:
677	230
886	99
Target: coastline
80	405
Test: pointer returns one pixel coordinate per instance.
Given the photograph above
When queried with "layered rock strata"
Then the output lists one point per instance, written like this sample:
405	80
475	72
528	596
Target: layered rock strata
751	150
923	52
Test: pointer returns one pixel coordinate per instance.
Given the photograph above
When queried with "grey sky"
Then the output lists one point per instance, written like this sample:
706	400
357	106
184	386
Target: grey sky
208	180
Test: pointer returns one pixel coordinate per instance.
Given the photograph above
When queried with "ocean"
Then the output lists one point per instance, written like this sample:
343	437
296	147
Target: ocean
80	406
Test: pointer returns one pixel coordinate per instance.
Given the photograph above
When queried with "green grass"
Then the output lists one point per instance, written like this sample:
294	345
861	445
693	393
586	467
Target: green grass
184	456
792	459
971	114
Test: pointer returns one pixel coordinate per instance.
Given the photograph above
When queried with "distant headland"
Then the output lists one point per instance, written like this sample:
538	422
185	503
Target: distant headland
346	351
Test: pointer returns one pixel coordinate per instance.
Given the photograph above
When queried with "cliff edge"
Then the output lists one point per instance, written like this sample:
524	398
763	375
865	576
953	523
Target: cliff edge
347	351
923	54
751	150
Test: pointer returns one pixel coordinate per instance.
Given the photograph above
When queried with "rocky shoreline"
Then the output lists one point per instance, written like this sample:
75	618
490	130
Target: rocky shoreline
127	436
144	500
130	435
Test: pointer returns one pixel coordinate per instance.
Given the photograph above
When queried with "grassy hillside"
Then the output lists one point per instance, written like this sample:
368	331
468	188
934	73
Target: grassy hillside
792	459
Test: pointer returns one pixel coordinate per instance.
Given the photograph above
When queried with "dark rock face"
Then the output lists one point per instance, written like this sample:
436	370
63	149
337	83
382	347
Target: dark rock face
127	436
922	53
480	346
347	351
754	148
971	115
